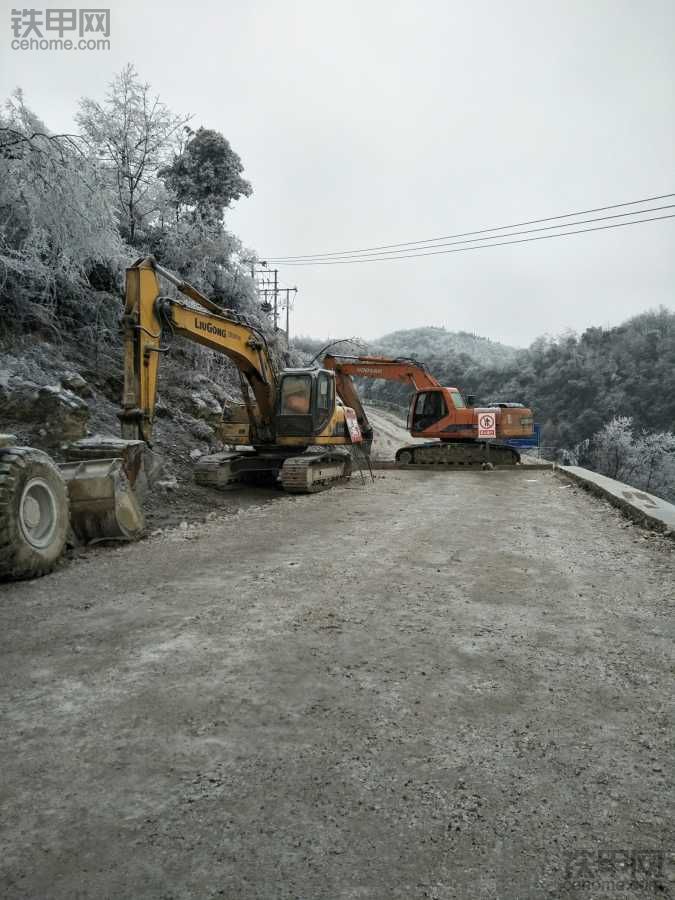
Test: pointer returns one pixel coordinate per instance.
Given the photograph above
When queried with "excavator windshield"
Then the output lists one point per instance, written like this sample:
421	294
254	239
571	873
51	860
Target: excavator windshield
427	407
296	395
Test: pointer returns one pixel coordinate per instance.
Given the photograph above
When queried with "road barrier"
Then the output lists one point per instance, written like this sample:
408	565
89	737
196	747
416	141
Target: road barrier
646	509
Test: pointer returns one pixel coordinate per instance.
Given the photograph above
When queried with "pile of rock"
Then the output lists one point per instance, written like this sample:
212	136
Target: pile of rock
49	414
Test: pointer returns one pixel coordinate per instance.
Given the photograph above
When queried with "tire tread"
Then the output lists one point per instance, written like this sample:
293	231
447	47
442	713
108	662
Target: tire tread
13	465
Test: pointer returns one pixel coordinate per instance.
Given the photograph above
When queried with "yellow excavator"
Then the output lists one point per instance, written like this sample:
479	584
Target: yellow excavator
290	430
294	431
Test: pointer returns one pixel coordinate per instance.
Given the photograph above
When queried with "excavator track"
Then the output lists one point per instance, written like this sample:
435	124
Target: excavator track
231	468
314	472
458	454
218	470
306	474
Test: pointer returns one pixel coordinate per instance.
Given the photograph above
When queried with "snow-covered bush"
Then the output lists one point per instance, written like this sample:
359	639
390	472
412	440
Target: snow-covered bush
57	223
643	459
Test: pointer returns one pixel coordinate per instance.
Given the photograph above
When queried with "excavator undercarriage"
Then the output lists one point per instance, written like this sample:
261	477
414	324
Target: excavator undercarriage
458	453
311	472
305	473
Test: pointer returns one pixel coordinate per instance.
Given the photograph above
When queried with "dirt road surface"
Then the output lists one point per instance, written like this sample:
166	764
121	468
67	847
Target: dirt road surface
390	433
433	686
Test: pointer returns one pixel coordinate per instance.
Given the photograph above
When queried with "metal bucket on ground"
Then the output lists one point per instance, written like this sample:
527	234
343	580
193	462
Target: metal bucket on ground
102	503
141	465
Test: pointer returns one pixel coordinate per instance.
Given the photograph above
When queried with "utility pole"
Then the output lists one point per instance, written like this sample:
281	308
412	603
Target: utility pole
288	311
267	286
276	295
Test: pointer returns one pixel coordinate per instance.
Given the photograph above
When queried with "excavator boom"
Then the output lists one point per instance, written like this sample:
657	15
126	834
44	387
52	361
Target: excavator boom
402	369
150	319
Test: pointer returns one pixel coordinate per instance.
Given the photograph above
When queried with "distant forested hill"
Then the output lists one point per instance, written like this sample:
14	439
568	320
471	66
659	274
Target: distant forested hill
424	343
578	383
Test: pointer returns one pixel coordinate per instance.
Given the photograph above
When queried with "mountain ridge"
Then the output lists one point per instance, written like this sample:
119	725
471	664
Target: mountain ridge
433	341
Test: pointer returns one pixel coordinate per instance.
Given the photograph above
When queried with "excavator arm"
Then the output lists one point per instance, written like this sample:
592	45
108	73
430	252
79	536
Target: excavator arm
403	370
150	321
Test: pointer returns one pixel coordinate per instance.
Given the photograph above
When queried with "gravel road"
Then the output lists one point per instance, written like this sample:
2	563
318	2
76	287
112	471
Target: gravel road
436	685
390	433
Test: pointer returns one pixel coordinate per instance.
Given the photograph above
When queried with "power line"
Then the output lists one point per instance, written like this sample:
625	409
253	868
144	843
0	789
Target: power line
393	253
541	237
445	237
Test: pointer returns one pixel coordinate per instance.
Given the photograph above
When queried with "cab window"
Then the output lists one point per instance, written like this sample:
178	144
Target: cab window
296	395
324	393
431	405
458	400
429	408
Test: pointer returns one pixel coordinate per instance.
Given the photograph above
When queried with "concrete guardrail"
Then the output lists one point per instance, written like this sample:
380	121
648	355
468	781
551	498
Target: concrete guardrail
644	508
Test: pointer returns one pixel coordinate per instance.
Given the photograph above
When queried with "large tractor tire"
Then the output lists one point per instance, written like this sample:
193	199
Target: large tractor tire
34	513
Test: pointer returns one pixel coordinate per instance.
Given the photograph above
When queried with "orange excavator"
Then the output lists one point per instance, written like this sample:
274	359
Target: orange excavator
436	412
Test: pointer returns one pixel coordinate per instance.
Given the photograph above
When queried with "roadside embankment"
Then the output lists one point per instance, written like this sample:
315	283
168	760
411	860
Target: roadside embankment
646	509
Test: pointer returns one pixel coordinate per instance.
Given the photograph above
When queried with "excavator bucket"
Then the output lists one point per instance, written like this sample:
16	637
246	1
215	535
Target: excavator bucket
103	506
141	465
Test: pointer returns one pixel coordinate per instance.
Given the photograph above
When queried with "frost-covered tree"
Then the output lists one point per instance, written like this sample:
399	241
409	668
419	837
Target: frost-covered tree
656	455
57	220
203	179
645	460
209	257
71	205
613	448
132	132
206	174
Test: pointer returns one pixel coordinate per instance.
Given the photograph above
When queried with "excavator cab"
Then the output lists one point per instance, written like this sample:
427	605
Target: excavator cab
305	403
430	406
426	408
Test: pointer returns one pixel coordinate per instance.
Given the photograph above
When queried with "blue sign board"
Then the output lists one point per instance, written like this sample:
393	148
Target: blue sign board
525	442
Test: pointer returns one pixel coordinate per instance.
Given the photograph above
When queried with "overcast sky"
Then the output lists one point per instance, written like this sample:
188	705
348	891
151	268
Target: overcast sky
375	122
